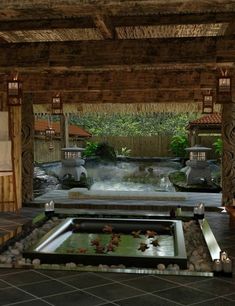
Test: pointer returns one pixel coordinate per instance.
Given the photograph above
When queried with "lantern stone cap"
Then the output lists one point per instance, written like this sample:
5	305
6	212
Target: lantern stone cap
72	149
198	148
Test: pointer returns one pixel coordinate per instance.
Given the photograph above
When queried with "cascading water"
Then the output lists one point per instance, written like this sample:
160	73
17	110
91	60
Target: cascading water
126	176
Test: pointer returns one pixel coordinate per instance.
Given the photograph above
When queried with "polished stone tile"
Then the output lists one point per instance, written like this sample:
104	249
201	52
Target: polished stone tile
76	298
180	280
24	277
34	303
86	280
147	299
58	274
149	283
215	286
46	288
184	295
230	297
4	284
13	295
5	271
114	291
120	276
216	302
108	304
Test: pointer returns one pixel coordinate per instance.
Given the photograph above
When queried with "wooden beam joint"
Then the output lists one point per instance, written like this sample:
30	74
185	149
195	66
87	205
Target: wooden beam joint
105	26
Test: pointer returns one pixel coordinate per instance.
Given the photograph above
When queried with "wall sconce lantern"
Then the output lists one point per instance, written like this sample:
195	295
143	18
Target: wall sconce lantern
207	103
51	146
57	106
224	84
14	92
224	88
49	133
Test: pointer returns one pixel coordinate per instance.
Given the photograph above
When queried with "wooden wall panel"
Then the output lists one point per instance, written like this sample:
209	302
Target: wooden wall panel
10	194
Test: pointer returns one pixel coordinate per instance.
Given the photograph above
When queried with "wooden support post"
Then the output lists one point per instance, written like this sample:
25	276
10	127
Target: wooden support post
27	148
64	132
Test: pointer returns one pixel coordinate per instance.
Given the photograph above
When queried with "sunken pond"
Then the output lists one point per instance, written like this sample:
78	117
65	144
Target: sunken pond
130	242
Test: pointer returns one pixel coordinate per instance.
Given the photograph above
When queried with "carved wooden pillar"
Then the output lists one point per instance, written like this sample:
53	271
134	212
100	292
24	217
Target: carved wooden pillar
27	148
228	156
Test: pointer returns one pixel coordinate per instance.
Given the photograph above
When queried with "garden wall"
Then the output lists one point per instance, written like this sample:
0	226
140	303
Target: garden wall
151	146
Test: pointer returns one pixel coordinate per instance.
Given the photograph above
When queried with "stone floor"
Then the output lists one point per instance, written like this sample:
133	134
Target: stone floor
44	287
152	201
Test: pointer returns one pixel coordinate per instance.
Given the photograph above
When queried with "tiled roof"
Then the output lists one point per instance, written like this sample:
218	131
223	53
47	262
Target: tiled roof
41	125
211	119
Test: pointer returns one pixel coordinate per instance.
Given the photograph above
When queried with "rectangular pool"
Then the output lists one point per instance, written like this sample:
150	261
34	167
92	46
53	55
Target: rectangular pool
112	241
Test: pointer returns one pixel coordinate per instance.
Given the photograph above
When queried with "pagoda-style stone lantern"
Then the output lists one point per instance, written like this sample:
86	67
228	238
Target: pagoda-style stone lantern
72	170
198	172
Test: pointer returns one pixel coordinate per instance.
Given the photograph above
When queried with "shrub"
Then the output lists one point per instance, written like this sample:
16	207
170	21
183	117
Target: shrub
90	149
218	144
124	152
105	151
178	145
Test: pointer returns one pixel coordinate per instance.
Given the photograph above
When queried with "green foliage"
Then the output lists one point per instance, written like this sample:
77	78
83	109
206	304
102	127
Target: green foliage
218	144
134	124
177	177
178	145
90	149
124	151
105	151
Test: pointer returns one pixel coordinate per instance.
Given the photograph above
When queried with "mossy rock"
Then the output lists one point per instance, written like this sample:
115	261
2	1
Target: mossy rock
177	177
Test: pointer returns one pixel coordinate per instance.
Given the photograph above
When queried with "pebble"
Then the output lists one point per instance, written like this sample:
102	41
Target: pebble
161	267
198	255
36	262
191	267
70	265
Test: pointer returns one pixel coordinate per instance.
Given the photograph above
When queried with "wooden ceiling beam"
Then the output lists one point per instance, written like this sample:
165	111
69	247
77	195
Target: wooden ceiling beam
29	8
115	81
127	52
107	23
173	19
152	96
44	24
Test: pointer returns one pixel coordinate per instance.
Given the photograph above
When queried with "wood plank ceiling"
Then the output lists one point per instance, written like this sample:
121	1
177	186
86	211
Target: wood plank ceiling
117	51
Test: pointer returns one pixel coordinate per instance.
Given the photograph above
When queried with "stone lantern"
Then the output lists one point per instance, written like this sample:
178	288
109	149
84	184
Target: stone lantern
72	164
198	172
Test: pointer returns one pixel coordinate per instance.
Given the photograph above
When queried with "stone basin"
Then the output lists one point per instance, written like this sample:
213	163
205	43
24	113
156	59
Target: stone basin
67	242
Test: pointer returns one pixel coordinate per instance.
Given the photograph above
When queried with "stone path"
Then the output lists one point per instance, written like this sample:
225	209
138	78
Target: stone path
186	200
